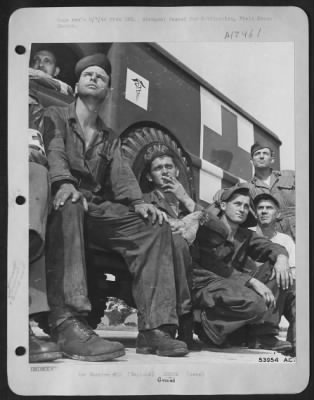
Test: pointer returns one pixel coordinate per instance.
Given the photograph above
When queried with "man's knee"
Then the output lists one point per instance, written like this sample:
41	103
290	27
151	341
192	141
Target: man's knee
260	308
71	210
68	218
256	306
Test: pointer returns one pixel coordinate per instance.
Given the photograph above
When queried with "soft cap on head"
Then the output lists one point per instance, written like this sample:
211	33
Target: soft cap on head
98	59
156	150
265	196
258	146
225	194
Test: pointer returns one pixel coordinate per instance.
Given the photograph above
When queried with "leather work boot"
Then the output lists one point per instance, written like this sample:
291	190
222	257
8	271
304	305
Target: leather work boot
42	350
271	342
78	341
160	342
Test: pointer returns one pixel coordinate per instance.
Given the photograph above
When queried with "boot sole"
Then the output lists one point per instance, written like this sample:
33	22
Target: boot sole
162	353
99	357
43	357
282	349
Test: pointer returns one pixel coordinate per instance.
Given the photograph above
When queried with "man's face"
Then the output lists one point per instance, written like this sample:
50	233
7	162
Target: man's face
45	61
237	208
160	167
266	212
262	158
94	81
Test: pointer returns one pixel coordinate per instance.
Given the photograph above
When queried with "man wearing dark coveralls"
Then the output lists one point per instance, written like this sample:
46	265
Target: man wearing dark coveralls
169	195
97	195
280	184
227	288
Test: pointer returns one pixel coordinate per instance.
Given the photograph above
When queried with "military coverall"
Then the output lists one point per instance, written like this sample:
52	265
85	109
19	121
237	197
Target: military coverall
104	177
168	203
222	269
282	187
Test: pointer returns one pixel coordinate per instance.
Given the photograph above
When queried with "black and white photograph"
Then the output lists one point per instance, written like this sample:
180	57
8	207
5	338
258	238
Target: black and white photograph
158	217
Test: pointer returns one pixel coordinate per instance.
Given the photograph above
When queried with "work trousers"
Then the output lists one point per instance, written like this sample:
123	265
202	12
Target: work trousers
226	305
285	306
38	212
146	248
183	274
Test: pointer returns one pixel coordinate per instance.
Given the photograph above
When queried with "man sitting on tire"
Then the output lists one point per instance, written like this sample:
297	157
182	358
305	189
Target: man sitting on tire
169	195
96	198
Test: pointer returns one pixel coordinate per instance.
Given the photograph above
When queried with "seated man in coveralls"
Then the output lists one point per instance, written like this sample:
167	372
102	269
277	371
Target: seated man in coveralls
169	195
96	199
227	288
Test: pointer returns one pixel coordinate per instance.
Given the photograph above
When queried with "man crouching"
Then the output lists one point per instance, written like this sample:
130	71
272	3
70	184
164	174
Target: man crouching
229	289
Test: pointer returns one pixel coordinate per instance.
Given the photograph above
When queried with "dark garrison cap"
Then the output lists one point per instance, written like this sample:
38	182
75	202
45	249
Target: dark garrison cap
99	59
265	196
258	146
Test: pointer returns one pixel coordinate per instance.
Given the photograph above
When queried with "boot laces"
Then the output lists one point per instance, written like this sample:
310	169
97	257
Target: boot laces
83	327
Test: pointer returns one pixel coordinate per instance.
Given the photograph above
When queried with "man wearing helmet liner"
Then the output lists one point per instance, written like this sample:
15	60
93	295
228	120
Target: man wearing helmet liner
267	210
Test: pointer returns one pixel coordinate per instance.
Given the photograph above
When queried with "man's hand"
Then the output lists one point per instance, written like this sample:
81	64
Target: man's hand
282	272
67	191
264	291
172	185
187	227
146	209
176	225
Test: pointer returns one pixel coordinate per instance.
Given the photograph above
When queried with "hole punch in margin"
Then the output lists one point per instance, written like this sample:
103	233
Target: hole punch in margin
19	49
20	351
20	200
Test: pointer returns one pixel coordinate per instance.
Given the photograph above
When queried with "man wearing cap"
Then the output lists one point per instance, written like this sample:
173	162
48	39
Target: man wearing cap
226	287
267	211
168	194
281	184
96	195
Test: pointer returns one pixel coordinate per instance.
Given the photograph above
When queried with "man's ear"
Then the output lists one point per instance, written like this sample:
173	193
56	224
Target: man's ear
75	89
109	93
272	160
57	72
177	173
223	205
148	177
